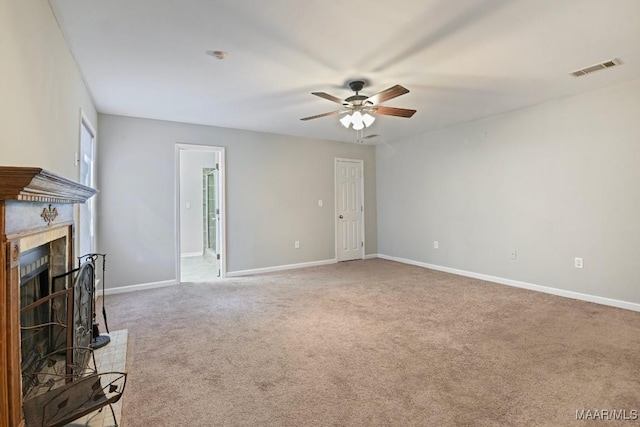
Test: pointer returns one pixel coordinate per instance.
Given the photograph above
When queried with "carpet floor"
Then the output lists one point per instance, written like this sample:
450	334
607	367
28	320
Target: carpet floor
373	343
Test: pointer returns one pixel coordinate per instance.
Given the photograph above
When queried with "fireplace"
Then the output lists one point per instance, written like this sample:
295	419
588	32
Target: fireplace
46	304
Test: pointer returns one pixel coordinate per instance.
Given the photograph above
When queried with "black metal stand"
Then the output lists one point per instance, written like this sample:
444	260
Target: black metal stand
97	340
100	341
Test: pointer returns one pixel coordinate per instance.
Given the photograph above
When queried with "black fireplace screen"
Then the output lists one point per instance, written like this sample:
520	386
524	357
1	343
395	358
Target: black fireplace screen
55	323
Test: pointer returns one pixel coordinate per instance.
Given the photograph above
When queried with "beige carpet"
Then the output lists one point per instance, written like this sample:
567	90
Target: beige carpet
372	343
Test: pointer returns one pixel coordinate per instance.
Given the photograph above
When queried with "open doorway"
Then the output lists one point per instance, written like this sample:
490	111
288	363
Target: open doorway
200	213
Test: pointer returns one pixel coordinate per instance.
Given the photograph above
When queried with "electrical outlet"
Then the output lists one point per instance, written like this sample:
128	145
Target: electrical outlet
320	203
577	262
296	244
513	254
436	245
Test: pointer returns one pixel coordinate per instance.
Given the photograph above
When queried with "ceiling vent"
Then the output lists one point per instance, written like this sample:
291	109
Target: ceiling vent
607	64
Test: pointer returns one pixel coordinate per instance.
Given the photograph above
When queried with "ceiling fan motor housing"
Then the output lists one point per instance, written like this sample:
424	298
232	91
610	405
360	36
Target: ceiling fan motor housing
356	85
356	100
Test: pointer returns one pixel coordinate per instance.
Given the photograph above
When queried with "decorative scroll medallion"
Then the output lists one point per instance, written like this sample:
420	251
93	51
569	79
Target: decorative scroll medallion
49	214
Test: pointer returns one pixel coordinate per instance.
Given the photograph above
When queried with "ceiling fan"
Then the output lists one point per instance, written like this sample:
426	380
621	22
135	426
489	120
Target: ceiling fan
359	108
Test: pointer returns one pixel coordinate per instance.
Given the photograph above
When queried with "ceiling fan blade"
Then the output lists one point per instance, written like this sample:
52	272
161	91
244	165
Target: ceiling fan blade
387	94
329	97
392	111
317	116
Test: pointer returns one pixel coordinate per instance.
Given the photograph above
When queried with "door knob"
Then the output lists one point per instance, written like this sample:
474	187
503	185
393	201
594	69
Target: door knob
340	217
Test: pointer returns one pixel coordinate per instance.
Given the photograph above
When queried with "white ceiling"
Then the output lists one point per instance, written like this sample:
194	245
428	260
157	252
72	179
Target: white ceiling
462	60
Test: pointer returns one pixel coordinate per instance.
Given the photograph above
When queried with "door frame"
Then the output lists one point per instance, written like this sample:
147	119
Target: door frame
335	213
223	217
91	129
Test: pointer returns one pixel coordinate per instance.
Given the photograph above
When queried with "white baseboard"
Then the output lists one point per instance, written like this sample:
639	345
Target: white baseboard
518	284
371	256
279	268
190	254
132	288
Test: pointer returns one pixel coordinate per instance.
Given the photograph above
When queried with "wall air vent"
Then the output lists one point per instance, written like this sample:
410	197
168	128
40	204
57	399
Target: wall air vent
607	64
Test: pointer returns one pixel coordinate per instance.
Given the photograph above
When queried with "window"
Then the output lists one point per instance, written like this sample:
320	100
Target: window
86	222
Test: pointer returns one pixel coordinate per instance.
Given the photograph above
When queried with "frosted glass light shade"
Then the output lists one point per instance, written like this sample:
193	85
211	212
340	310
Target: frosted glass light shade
356	120
346	121
368	119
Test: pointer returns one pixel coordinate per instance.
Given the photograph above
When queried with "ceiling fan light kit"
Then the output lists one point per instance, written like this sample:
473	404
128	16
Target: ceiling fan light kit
360	109
357	120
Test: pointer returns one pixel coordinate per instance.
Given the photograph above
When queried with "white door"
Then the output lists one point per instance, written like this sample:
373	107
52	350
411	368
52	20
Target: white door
349	210
212	206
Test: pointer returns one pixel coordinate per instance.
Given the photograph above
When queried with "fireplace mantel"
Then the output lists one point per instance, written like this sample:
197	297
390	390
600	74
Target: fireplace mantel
36	206
39	185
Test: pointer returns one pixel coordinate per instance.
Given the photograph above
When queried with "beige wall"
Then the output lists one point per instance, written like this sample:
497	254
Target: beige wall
273	184
41	90
554	182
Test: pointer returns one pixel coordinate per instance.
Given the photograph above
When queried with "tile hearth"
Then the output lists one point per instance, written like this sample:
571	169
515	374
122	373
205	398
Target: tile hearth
110	358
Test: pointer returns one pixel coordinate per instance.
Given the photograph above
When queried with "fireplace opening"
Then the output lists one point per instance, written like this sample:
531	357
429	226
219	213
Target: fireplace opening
41	314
